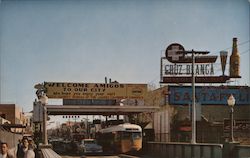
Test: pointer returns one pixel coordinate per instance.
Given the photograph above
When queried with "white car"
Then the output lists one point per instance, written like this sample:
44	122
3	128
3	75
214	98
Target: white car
88	146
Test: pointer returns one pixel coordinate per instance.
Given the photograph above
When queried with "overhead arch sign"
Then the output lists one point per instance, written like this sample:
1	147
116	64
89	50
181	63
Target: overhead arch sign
67	90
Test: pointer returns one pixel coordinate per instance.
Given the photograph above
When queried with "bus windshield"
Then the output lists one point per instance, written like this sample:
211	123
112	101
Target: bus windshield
136	135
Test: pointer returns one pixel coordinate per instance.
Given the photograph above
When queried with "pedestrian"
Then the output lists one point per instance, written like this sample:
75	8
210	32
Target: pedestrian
4	152
21	149
32	145
24	151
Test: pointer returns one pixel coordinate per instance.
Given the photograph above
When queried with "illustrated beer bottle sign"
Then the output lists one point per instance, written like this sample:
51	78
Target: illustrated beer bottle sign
234	61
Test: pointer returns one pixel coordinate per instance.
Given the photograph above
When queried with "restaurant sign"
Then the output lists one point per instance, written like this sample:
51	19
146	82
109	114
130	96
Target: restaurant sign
66	90
208	95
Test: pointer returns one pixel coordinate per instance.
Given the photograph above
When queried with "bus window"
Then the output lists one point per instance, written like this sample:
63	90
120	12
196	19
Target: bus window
118	136
136	135
126	135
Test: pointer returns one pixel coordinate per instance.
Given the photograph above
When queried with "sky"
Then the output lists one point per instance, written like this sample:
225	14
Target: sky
88	40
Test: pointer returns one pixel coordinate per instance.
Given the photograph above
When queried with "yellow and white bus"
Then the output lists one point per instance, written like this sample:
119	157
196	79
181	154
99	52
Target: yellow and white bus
122	138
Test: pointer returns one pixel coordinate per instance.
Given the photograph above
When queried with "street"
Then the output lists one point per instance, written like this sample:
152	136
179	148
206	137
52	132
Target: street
109	156
90	157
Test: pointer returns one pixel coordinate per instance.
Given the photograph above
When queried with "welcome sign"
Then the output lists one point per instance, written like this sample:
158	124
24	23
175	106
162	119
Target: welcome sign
66	90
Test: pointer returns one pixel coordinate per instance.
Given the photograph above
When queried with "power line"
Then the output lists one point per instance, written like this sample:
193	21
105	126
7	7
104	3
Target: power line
246	51
216	52
240	44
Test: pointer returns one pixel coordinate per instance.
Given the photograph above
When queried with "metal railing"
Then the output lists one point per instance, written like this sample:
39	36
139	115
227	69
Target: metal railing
198	150
185	150
46	151
242	151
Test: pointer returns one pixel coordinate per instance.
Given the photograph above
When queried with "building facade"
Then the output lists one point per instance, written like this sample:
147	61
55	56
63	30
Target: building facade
14	115
11	112
173	121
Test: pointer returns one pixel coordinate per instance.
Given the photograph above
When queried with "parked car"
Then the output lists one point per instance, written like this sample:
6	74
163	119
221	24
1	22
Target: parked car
89	146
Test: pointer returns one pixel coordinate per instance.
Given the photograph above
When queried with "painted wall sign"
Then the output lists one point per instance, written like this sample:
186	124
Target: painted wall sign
209	95
66	90
239	125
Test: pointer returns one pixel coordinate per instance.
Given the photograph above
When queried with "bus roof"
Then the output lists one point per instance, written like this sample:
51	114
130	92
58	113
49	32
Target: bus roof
122	127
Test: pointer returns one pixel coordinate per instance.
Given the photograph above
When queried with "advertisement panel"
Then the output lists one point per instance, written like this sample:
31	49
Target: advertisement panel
209	95
66	90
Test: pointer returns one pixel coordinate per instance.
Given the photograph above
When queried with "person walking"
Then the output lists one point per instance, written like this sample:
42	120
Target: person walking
24	151
4	152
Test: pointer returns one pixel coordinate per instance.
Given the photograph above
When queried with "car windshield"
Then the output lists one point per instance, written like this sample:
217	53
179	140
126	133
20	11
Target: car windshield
89	141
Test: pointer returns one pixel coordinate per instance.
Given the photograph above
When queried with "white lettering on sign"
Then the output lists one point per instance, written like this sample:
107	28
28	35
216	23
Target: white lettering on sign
180	69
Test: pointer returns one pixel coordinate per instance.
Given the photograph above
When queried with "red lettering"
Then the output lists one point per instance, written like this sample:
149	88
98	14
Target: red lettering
186	96
177	96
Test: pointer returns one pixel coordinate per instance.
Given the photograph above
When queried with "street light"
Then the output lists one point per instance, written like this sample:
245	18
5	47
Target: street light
44	101
86	124
231	103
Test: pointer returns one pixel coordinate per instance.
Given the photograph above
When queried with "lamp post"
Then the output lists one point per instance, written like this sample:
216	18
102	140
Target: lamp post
231	103
86	124
44	102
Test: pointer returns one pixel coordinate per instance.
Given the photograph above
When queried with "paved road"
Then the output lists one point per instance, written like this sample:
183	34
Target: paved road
90	157
113	156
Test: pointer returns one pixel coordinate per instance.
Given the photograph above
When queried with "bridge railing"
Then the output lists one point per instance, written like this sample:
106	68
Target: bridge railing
199	150
185	150
46	151
242	151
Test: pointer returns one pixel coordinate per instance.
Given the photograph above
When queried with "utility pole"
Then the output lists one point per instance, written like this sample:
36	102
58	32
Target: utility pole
193	140
193	53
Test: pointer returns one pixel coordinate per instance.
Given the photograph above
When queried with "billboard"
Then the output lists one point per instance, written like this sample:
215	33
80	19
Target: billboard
66	90
177	66
209	95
